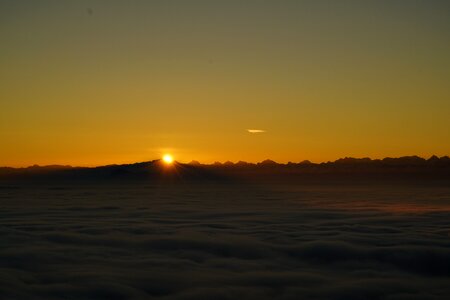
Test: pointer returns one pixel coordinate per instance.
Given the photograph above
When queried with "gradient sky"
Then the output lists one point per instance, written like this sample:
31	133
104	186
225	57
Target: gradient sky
97	82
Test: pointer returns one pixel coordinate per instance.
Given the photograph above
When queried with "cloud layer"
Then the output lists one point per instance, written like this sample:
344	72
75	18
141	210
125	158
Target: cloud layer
223	242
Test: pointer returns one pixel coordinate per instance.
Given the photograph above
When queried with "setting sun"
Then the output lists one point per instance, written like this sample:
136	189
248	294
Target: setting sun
168	159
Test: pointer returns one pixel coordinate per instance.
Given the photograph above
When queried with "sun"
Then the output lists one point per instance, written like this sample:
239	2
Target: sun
168	159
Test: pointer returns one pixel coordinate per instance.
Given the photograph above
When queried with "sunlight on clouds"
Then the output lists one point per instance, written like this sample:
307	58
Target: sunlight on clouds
256	130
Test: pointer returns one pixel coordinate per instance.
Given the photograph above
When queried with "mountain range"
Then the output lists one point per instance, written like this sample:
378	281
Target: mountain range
157	170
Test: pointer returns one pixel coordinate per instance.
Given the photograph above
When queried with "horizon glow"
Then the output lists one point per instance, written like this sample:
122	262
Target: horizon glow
90	83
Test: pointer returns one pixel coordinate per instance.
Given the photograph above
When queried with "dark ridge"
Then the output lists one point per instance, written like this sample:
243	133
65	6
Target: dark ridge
156	171
403	167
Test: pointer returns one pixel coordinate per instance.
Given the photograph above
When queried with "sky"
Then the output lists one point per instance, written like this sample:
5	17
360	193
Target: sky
97	82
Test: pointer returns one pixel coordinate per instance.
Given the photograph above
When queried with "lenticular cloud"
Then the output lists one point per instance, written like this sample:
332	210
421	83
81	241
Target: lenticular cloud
256	130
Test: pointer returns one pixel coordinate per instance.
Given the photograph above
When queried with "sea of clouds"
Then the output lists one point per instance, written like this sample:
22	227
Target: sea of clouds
229	241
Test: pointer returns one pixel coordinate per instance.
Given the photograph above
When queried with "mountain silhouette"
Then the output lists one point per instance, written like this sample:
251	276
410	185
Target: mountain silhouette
158	171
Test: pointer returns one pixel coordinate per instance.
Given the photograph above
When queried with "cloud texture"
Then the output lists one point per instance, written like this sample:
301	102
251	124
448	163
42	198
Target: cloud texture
223	242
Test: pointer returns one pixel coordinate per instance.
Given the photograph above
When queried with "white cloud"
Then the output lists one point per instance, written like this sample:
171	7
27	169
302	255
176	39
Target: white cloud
256	130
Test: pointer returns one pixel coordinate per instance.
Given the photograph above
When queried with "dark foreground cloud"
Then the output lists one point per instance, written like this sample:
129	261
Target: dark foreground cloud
223	242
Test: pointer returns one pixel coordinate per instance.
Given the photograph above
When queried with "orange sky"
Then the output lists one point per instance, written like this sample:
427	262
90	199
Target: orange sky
97	82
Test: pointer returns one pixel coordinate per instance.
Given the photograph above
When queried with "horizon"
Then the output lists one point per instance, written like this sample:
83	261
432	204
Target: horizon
233	161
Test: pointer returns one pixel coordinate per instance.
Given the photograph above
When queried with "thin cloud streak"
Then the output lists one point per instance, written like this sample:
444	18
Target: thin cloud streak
256	130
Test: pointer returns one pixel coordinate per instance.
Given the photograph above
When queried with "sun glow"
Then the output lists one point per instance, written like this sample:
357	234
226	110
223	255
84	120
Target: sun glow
168	159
